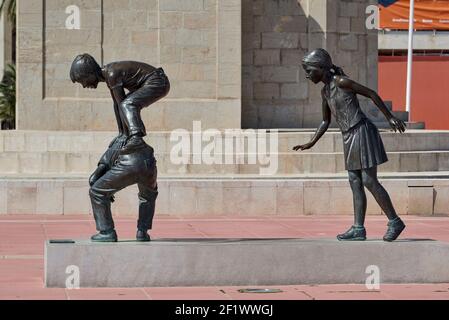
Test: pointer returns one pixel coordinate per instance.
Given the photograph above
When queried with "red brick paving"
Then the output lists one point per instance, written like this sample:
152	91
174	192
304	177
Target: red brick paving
22	248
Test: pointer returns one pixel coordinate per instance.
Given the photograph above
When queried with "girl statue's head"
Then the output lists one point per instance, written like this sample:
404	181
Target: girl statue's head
86	71
318	63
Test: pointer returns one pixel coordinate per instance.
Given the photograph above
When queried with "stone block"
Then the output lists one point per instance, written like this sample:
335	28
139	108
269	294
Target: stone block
21	197
14	142
289	198
283	23
314	202
9	162
280	74
144	37
348	42
127	202
267	57
266	91
76	199
30	162
78	163
408	162
358	25
294	91
421	200
280	40
170	20
289	7
210	198
53	162
291	57
183	199
441	204
200	55
171	54
218	262
428	161
344	25
262	199
181	5
203	20
50	197
348	9
146	5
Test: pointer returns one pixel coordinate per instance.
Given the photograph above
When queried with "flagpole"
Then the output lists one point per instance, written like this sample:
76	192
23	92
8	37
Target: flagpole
410	58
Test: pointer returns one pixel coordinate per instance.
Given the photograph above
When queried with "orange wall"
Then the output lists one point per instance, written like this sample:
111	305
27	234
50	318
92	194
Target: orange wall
430	88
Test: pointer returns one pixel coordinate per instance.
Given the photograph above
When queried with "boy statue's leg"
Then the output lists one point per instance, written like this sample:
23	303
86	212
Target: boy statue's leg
154	89
147	203
100	194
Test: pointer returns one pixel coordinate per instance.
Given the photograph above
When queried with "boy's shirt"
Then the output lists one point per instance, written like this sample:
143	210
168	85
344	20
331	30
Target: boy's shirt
130	75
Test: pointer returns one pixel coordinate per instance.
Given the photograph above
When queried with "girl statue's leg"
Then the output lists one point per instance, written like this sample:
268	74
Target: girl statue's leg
370	181
359	197
357	231
395	224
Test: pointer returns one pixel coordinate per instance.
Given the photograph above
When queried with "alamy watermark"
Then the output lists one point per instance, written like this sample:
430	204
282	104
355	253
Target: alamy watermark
73	21
231	146
372	282
73	279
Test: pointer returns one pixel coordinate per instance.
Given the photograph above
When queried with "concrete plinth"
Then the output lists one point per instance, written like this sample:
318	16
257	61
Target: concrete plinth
212	262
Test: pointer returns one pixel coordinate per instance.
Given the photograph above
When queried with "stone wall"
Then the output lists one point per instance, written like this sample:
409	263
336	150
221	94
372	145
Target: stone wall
201	45
277	34
197	42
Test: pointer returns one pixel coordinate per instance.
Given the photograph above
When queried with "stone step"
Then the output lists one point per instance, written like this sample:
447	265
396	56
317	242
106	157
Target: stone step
417	125
97	142
411	193
255	262
272	164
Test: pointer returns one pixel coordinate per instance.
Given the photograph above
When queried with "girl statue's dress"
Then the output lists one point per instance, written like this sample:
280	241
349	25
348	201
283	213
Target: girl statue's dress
362	144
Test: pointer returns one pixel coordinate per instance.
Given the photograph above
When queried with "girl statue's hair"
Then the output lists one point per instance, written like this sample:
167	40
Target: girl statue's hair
83	65
320	58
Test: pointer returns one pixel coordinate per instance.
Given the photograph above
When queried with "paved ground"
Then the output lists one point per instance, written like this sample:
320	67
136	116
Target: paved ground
22	245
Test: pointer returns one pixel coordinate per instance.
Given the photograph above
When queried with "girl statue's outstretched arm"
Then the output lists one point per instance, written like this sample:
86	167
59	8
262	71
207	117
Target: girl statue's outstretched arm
324	125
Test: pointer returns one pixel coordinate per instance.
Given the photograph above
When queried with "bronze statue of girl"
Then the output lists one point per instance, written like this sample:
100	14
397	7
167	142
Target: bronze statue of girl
362	144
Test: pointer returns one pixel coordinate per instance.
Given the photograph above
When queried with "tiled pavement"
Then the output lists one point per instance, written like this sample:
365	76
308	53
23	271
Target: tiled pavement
22	248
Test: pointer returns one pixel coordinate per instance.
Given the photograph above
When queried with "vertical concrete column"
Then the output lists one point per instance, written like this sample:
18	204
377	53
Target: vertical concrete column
30	23
6	41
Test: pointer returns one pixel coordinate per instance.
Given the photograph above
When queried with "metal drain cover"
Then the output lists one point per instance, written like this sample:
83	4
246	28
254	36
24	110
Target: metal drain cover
251	290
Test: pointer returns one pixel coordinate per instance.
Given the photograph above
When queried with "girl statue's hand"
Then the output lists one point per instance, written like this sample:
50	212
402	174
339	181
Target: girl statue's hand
397	124
303	146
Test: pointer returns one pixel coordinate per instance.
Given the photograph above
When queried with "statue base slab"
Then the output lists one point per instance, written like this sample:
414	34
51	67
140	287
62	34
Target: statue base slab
234	262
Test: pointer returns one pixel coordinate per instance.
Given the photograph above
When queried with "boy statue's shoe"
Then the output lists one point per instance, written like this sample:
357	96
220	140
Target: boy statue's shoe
395	227
105	236
142	235
133	143
353	234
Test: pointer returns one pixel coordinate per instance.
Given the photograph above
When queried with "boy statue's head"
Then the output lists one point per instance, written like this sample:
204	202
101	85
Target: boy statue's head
86	71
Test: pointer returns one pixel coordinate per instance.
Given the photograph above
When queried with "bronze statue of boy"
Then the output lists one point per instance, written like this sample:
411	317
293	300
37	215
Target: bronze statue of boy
362	144
128	159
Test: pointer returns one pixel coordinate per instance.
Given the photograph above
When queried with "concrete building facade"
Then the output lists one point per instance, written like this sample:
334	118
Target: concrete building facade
197	43
232	64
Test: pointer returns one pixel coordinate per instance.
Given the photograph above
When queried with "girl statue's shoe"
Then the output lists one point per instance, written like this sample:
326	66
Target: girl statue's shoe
354	233
142	235
395	227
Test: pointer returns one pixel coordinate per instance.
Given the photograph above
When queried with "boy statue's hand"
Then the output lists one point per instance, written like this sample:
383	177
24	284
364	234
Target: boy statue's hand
98	173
